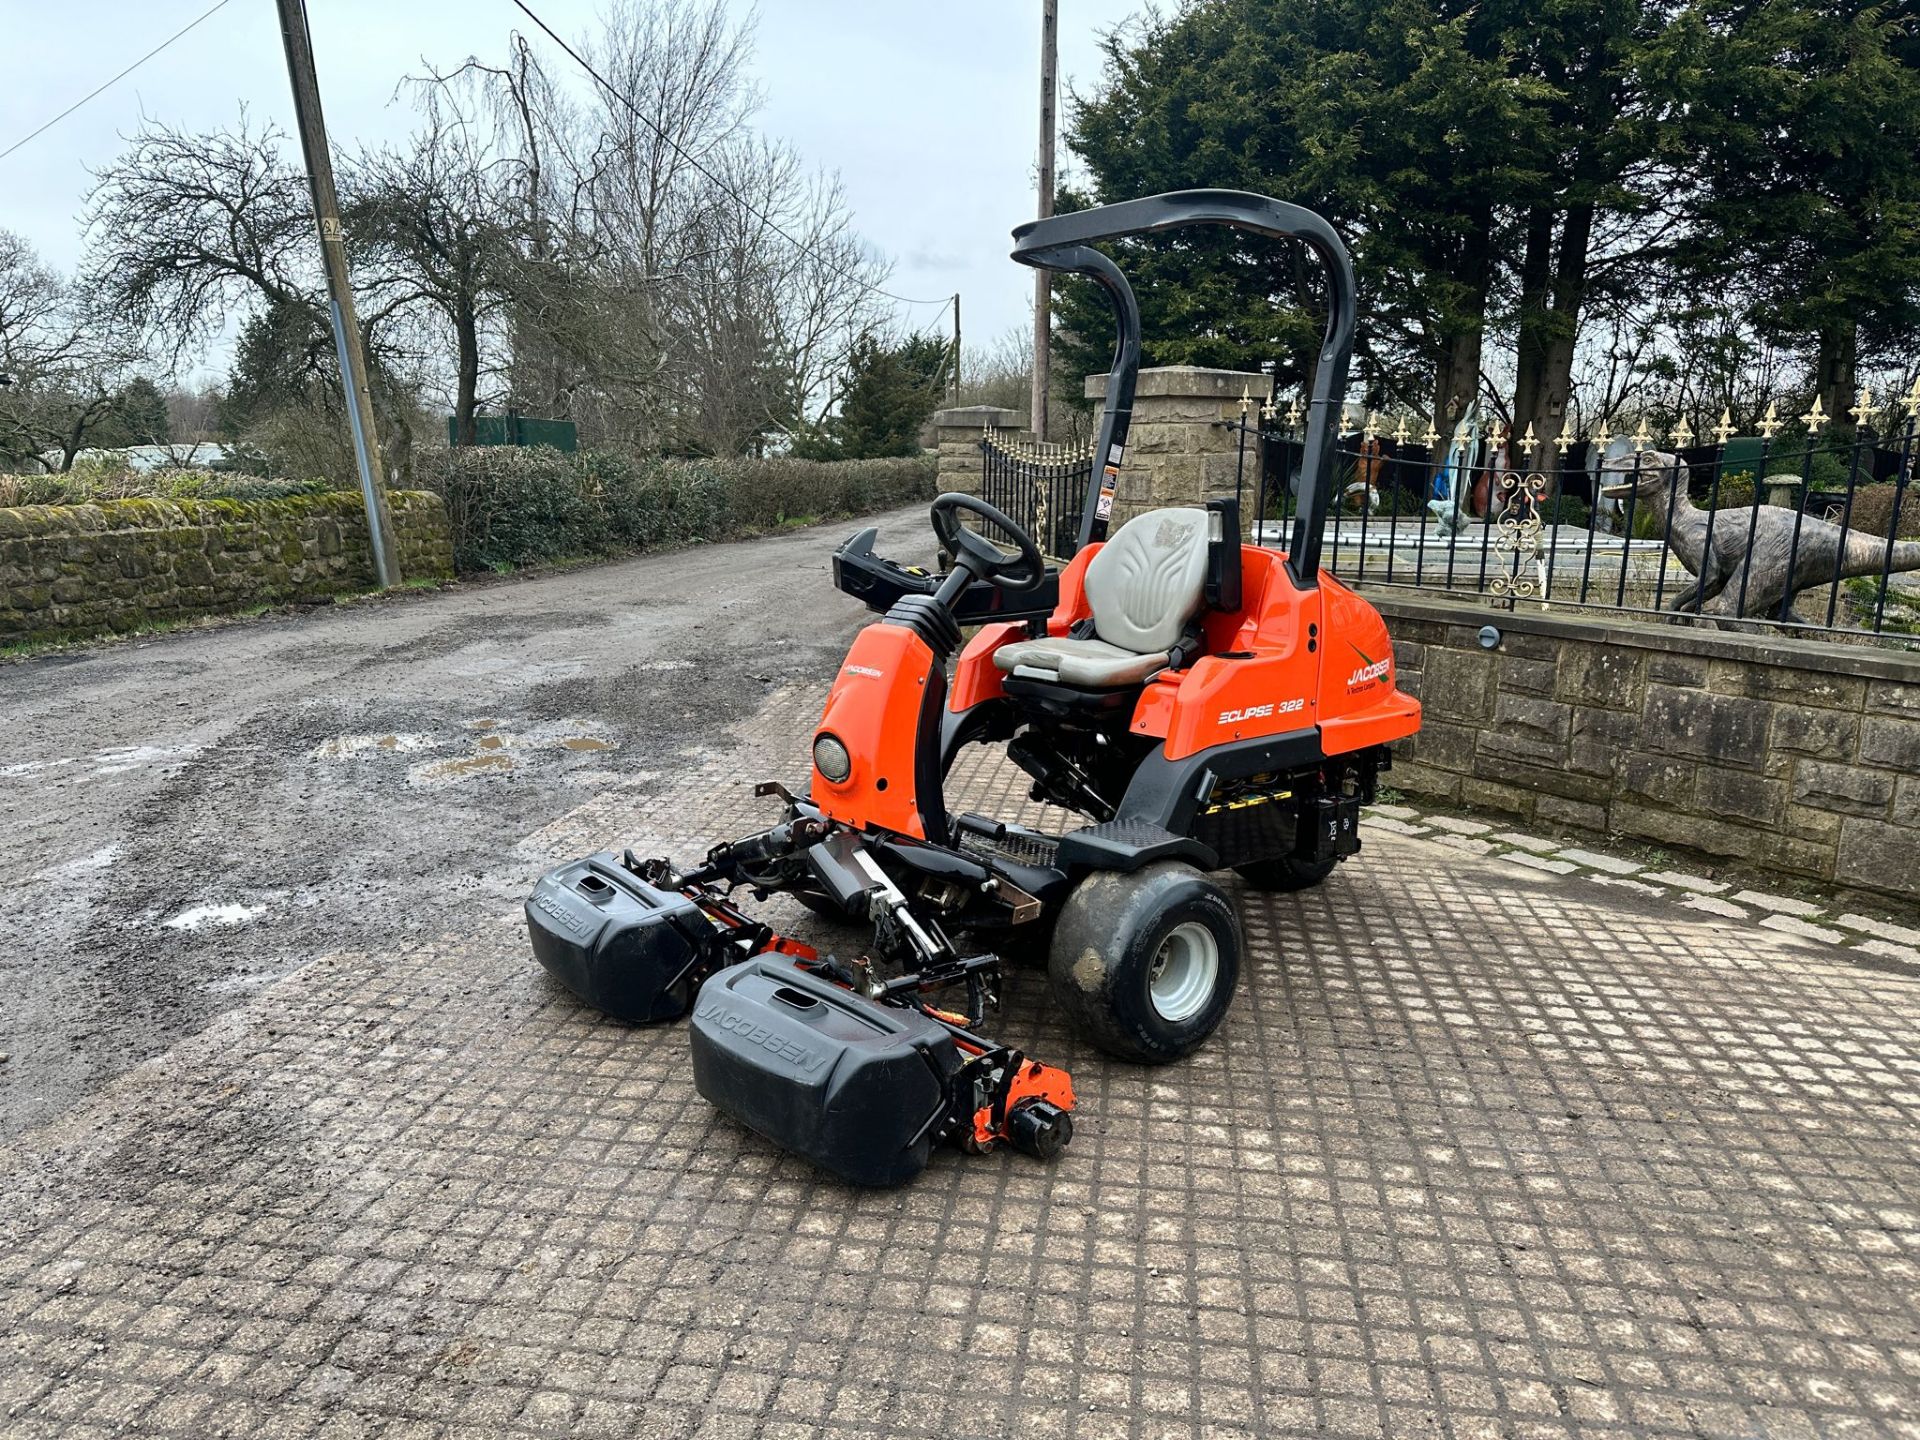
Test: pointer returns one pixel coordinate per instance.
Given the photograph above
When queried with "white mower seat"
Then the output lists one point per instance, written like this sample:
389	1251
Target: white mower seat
1144	585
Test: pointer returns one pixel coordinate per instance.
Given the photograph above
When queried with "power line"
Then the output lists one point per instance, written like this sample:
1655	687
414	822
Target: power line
222	4
759	214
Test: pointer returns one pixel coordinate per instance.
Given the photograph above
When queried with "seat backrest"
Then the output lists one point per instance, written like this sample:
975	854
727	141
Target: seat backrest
1146	583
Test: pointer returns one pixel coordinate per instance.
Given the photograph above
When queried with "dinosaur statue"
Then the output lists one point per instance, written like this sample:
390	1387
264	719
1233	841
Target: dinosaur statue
1745	551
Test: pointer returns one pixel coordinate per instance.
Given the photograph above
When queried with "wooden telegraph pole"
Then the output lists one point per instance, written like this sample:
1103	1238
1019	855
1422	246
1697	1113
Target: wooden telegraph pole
956	347
333	252
1042	282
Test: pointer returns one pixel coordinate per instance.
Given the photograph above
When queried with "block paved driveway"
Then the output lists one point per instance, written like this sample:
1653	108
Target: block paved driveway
1479	1150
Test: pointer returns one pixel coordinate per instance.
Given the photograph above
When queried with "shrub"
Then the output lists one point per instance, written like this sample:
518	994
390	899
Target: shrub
1735	492
1566	510
510	506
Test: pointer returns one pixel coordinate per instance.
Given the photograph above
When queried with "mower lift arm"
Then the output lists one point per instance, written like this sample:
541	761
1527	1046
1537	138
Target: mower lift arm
1059	243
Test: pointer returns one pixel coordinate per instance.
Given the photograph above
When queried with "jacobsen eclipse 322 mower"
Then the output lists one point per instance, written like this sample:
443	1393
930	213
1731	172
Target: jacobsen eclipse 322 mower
1203	704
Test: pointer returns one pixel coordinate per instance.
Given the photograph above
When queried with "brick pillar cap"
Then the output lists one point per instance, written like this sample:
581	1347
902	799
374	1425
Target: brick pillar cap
1189	382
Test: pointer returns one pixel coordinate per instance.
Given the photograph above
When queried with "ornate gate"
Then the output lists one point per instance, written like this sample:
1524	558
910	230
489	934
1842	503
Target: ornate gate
1042	487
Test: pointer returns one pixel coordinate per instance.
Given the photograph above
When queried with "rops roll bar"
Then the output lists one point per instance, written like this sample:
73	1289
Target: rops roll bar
1062	243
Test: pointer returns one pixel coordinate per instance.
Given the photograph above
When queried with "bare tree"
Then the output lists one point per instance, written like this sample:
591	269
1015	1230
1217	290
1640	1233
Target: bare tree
433	227
63	361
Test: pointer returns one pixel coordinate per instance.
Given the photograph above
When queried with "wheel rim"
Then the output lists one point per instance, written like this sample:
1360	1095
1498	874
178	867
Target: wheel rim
1184	972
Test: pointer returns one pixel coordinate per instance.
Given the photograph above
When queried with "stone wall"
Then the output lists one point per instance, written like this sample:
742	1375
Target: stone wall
1794	756
75	570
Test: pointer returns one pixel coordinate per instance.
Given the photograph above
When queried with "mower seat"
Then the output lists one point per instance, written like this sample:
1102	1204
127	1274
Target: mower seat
1143	586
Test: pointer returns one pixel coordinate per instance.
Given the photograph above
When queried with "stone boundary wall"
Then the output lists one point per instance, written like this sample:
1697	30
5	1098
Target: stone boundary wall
68	571
1791	755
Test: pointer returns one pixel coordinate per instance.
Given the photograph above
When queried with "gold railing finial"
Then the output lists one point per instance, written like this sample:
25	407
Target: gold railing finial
1400	432
1770	421
1603	437
1432	437
1912	398
1681	434
1371	430
1246	400
1724	429
1642	438
1497	436
1862	405
1814	418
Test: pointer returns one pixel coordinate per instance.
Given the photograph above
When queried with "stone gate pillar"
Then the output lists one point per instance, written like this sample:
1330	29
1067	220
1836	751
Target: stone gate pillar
1180	450
957	434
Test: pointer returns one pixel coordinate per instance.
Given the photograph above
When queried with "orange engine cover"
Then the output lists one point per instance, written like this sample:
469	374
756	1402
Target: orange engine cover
1279	664
886	684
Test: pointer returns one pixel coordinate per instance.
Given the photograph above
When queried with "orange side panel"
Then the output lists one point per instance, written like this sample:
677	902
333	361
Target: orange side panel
1073	592
975	676
874	711
1358	674
1262	675
1394	716
1158	704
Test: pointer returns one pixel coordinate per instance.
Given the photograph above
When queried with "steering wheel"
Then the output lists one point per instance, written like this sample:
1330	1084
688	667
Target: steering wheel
1016	573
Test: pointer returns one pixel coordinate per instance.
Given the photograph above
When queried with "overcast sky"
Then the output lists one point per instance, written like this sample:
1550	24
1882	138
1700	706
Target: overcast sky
927	111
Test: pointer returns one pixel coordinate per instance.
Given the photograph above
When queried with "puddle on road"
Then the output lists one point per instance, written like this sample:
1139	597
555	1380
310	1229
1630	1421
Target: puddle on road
490	748
340	747
201	916
465	767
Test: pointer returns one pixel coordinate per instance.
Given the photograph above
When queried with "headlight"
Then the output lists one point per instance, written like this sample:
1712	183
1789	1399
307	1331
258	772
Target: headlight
830	758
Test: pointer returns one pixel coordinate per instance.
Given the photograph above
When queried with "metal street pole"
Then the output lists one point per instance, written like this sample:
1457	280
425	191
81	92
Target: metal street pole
956	347
1042	281
333	252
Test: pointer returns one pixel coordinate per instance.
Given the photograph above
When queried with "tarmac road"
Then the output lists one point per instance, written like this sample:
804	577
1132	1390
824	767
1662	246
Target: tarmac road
186	819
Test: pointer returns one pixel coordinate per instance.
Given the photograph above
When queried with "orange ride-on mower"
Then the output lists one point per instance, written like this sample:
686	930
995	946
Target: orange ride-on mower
1202	704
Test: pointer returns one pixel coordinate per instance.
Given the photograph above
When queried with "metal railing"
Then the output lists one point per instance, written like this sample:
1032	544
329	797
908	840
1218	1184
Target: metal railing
1042	487
1806	531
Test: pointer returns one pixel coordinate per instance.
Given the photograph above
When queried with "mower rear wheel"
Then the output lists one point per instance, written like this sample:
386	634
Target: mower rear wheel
1283	873
1145	964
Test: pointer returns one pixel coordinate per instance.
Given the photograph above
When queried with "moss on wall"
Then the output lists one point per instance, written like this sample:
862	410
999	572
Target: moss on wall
68	571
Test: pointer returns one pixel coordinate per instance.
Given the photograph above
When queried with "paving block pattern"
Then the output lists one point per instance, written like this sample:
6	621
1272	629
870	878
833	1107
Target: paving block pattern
1480	1150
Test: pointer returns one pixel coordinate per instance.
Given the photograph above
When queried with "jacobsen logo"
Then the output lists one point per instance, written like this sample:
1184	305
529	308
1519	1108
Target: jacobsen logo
866	670
1369	671
1260	712
566	918
754	1033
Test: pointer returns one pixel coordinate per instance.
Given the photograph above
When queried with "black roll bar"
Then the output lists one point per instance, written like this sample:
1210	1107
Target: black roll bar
1061	242
1121	375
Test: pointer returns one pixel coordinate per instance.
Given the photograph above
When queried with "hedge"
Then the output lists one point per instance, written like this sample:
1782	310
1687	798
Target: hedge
515	506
